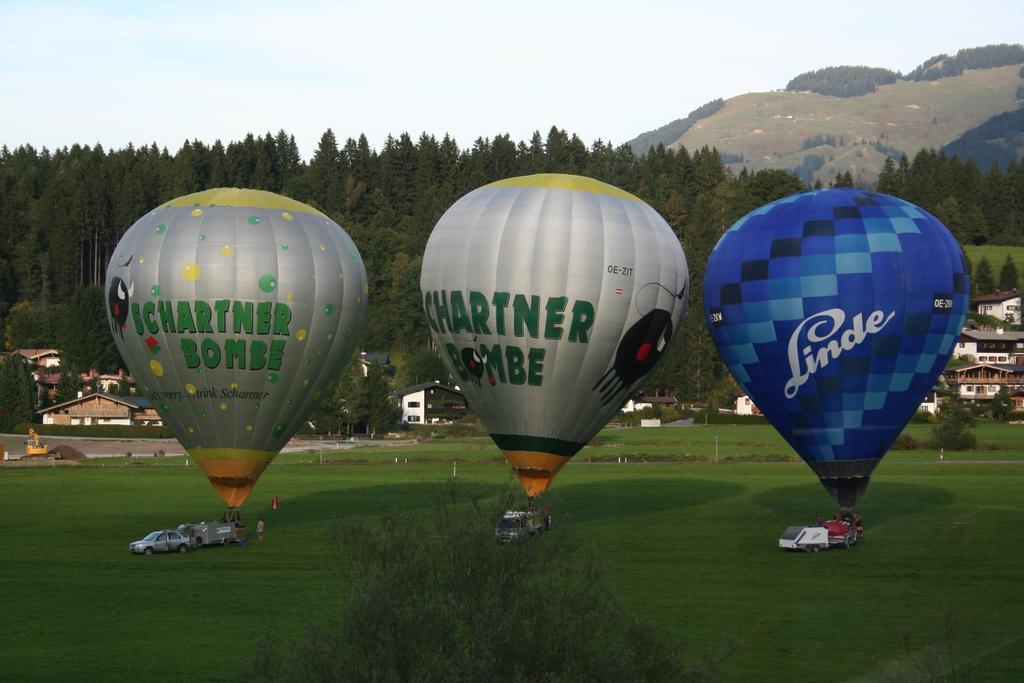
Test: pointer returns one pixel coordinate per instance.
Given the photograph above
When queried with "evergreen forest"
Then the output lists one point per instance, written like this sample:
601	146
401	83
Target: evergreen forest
62	213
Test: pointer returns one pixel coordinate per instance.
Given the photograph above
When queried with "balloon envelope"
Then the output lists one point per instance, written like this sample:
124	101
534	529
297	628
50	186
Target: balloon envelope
836	311
232	308
551	297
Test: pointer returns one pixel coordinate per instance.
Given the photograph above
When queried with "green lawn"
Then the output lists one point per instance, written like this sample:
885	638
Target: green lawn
691	545
996	256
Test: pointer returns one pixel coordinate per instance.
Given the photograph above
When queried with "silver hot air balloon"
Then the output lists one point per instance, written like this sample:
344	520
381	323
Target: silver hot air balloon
551	297
233	308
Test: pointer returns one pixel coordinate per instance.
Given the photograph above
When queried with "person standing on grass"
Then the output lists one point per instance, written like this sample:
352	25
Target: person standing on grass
260	527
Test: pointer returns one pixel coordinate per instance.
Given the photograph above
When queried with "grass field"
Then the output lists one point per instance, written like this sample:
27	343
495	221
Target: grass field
996	256
690	545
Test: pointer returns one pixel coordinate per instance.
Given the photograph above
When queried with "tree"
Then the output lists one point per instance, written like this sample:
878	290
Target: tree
460	607
1008	275
84	333
421	365
955	423
27	326
381	412
17	392
68	386
1001	406
983	280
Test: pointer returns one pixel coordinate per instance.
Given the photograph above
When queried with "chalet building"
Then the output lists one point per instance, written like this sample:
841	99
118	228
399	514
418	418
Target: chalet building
102	409
431	403
1002	305
41	360
744	406
640	402
1017	398
988	346
370	358
45	367
106	382
982	381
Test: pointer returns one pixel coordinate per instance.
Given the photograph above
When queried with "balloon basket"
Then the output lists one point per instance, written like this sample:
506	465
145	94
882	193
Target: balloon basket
232	515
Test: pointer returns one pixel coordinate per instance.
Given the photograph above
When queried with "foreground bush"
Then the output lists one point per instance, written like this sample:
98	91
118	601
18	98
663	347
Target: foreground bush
432	597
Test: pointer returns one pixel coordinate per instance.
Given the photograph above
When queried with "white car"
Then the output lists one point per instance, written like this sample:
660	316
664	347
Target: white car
806	538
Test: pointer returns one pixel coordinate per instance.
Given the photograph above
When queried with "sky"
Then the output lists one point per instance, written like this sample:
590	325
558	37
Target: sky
130	72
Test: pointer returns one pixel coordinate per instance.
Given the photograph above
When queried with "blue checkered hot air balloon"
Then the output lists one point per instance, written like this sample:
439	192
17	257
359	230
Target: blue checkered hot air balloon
836	310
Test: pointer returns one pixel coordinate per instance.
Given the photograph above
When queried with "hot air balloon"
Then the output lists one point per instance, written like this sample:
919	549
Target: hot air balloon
836	310
551	297
232	308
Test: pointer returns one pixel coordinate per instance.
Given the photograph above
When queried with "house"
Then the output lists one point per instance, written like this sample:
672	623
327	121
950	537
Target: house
1002	305
41	360
744	406
930	403
45	367
106	382
431	403
640	402
1017	398
982	381
102	409
987	346
368	358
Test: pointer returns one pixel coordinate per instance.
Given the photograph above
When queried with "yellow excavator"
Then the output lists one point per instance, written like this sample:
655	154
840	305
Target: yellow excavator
35	446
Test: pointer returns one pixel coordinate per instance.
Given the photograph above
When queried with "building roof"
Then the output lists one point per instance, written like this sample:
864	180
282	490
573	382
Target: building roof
137	402
375	357
33	354
993	335
1005	367
996	297
427	385
656	399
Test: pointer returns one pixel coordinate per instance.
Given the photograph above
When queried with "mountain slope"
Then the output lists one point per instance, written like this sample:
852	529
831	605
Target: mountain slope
999	140
777	129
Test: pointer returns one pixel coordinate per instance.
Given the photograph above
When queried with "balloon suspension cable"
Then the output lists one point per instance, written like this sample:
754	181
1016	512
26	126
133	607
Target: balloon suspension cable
530	502
232	515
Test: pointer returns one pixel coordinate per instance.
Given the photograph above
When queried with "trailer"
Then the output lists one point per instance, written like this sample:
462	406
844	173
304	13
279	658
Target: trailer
213	533
830	534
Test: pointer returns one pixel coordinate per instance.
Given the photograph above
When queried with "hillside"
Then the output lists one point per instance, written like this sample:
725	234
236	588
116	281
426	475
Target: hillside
777	129
999	140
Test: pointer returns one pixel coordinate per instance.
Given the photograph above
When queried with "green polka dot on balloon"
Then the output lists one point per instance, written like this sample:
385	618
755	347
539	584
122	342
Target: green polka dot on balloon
257	404
268	283
202	414
202	238
279	429
329	309
254	220
308	361
160	229
155	290
288	402
272	377
284	247
199	371
165	406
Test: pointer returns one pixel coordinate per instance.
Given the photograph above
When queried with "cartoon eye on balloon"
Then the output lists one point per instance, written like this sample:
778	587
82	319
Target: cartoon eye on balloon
242	305
642	345
550	298
836	310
